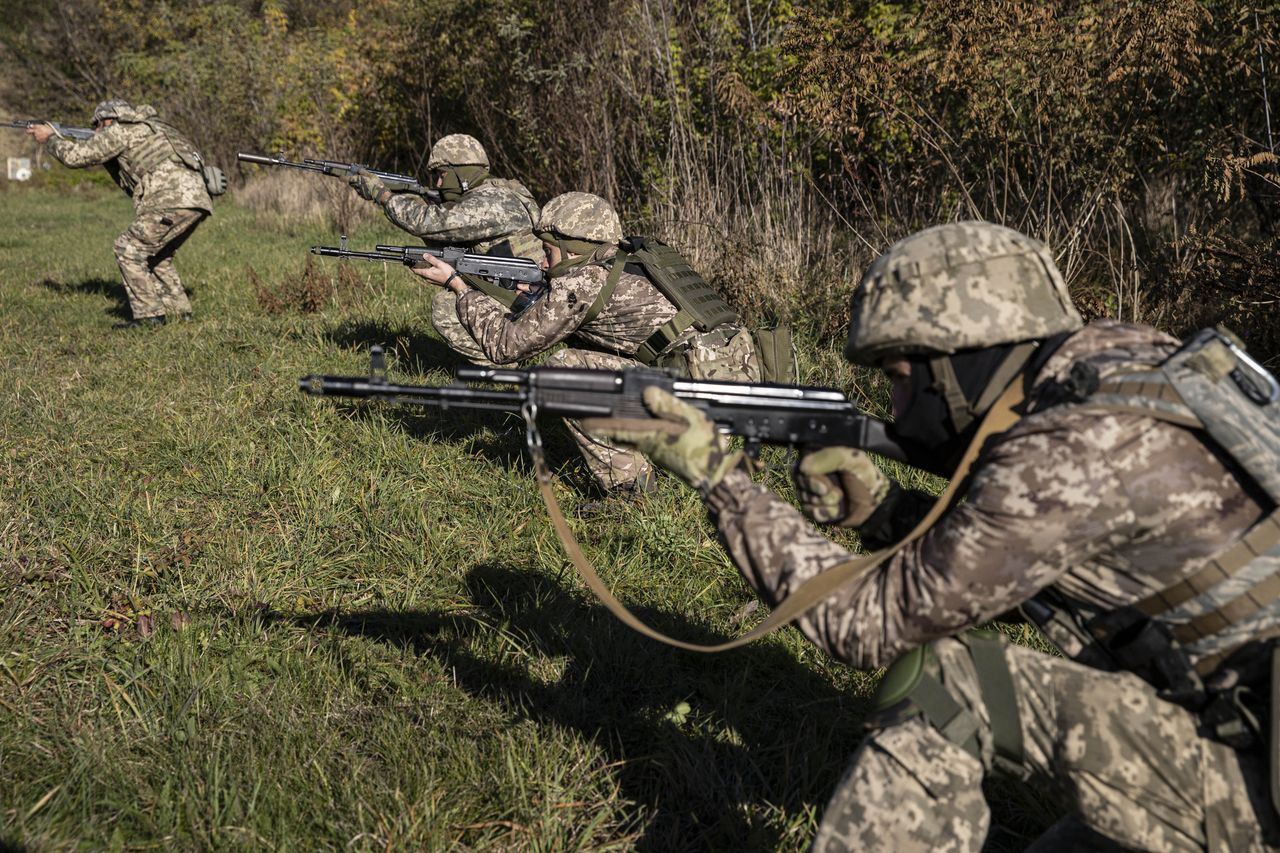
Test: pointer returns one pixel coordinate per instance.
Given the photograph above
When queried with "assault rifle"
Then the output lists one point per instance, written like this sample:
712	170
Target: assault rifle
789	415
395	183
506	273
61	129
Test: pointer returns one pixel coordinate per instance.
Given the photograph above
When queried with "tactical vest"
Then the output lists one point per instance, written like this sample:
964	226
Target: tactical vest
524	244
1179	637
165	144
698	306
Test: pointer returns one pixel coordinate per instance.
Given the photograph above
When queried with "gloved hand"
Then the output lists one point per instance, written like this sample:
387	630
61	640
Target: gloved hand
369	185
679	438
839	485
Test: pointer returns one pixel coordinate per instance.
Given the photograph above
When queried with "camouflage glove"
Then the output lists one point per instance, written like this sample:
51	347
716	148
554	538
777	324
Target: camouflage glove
369	185
839	485
679	438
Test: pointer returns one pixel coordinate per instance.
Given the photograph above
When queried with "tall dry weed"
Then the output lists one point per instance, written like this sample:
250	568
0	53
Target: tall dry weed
308	290
290	198
762	235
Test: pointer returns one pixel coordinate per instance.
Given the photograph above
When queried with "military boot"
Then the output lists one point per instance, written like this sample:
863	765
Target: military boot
141	323
621	499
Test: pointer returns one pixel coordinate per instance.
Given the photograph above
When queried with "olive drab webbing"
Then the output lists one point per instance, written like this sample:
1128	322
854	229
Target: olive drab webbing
910	687
1179	636
698	306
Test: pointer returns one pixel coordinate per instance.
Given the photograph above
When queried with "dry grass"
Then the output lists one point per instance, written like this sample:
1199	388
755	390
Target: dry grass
295	198
772	247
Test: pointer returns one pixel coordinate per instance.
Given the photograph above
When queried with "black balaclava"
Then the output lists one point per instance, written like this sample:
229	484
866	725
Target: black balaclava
933	432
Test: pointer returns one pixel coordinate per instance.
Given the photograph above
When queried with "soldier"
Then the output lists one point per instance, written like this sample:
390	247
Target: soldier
159	167
602	304
1127	533
482	214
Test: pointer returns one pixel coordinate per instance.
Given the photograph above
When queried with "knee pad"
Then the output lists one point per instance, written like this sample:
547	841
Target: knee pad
913	687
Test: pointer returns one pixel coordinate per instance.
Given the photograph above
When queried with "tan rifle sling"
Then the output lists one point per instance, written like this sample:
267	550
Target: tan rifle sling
1001	416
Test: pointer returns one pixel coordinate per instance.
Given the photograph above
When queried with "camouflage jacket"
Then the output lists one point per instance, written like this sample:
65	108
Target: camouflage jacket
169	186
485	216
631	315
1105	508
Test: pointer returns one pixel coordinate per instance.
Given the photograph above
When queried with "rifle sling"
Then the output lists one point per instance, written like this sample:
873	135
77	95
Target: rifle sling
813	591
503	296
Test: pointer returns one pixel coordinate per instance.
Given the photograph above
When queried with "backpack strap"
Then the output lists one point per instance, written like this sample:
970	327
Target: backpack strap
663	337
606	292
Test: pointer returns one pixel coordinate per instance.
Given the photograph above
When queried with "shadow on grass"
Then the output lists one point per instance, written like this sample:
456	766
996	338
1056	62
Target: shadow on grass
9	846
413	350
109	287
661	714
496	436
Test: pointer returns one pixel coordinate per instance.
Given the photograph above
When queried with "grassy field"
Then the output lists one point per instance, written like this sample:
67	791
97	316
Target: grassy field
232	617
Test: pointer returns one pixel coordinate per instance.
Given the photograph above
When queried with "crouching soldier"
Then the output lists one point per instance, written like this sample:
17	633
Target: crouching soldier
621	304
1118	487
163	172
478	212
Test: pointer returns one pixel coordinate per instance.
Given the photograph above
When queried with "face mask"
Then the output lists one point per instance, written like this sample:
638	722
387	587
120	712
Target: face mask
460	179
927	429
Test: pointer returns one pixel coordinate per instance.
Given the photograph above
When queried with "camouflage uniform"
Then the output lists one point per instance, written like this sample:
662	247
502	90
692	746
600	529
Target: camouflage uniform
481	214
169	201
1106	508
1082	508
626	320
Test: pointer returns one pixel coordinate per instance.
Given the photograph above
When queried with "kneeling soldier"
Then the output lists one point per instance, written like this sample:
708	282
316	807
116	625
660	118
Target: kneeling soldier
1118	487
625	304
480	213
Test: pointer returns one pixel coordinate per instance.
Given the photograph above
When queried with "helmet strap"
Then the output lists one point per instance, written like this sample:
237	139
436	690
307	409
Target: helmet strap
947	386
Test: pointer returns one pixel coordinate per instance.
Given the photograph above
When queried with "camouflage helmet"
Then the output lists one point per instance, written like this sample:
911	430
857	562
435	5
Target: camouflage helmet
580	216
457	149
964	285
110	109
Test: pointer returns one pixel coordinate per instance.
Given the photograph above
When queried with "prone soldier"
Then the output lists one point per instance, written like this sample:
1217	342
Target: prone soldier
615	314
1119	488
161	169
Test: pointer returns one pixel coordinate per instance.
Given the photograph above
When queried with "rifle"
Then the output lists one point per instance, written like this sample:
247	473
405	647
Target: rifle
761	413
793	415
396	183
504	272
61	129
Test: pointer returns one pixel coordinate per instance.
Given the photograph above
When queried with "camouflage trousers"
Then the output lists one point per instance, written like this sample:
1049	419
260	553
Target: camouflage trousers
715	355
1131	768
444	317
145	255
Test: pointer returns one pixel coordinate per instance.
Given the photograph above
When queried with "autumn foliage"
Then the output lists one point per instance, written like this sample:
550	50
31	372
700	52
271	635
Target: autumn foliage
781	144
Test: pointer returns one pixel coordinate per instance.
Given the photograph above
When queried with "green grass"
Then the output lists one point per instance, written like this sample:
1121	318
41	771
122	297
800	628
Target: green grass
237	618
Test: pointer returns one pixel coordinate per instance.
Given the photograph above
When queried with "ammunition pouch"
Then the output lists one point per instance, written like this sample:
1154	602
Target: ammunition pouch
911	687
215	180
777	353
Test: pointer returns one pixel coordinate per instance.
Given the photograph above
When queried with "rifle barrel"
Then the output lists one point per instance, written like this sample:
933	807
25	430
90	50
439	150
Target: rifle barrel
336	252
